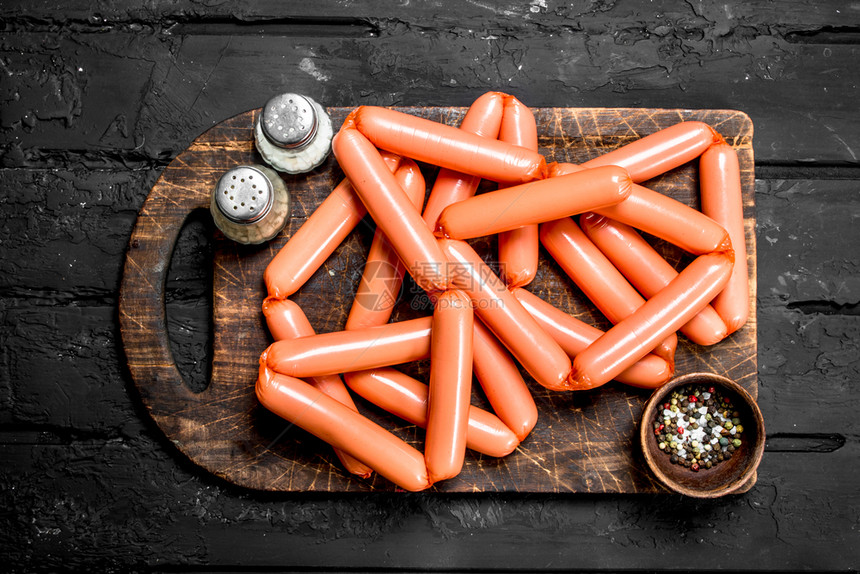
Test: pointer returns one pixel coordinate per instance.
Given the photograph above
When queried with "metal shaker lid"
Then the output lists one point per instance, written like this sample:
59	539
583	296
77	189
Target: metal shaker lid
289	120
244	194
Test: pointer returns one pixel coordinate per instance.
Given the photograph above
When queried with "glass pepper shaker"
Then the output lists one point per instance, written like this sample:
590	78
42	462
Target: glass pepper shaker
293	133
250	204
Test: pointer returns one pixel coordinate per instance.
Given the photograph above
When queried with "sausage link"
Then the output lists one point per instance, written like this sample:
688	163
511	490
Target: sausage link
647	271
403	396
722	200
661	151
341	427
518	248
390	208
502	383
342	351
286	320
574	336
674	305
506	318
450	385
317	238
663	217
598	279
484	119
383	272
446	146
534	202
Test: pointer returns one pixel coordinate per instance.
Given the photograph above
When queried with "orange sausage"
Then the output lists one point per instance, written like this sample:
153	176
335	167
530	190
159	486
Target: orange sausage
342	351
722	200
286	320
661	151
598	279
446	146
647	271
534	202
383	272
574	336
450	385
317	238
674	305
502	383
403	396
506	318
341	427
518	248
484	119
390	208
663	217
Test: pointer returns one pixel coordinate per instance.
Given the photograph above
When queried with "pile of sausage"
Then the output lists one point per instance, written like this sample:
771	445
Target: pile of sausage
482	322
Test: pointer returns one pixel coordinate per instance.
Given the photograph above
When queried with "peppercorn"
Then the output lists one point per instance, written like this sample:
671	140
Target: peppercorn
736	443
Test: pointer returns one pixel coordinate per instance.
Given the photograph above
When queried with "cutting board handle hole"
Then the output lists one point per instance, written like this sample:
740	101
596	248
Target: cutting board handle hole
188	300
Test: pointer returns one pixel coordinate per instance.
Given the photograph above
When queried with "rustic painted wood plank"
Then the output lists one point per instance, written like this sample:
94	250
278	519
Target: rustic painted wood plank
127	503
127	96
785	16
228	433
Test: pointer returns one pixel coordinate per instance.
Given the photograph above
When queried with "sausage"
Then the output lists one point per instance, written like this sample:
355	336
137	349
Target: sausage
317	238
574	336
484	119
450	385
534	202
342	351
506	318
598	279
502	383
661	151
722	200
518	248
446	146
387	203
403	396
286	320
383	272
663	217
674	305
341	427
647	271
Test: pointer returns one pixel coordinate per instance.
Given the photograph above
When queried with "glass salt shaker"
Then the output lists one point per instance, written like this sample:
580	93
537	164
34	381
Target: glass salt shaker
250	204
293	133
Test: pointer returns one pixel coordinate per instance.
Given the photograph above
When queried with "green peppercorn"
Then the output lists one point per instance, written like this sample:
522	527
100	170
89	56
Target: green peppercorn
736	443
739	429
736	421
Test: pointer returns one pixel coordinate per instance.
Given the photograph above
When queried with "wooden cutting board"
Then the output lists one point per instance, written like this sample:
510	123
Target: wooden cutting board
583	442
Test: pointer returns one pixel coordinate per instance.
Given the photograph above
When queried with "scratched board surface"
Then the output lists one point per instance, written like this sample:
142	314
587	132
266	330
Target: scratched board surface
583	441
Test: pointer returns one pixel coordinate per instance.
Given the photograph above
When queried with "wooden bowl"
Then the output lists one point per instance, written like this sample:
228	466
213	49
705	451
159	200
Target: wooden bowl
724	478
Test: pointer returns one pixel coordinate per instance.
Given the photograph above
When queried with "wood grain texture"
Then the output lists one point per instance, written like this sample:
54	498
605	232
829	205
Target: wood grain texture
583	441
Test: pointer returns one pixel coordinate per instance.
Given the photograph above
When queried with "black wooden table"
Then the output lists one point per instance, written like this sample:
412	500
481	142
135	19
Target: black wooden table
96	100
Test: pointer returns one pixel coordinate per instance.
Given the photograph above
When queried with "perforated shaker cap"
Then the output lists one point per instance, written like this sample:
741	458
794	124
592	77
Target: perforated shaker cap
244	194
289	121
